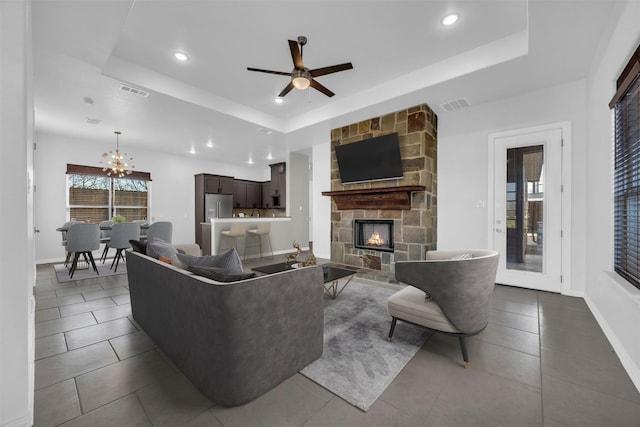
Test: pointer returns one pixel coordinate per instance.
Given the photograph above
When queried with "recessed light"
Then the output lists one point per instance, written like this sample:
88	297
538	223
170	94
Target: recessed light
180	56
250	161
450	19
210	144
192	151
279	100
269	156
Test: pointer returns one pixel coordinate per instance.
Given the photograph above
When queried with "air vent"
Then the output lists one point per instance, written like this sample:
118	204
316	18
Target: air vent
93	121
134	91
455	105
265	130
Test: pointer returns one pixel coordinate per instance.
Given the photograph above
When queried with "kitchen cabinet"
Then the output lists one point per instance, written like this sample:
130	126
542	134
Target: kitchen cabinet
267	202
215	184
239	193
254	195
247	194
278	191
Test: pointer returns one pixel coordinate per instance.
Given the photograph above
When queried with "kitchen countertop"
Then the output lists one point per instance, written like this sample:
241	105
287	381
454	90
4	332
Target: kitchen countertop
250	219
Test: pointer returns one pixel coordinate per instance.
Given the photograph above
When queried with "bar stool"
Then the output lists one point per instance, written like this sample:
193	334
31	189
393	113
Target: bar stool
237	230
264	229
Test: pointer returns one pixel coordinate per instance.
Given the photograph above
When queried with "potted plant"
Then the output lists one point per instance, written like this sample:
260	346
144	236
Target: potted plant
118	218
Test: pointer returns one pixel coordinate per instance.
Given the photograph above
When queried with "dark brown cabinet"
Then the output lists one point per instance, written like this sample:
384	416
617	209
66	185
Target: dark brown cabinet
247	194
278	191
215	184
267	202
254	195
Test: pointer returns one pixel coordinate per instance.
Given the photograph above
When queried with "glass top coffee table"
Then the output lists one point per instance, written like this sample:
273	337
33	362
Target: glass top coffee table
332	276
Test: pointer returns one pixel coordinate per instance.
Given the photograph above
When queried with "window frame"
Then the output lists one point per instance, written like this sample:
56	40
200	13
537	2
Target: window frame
111	207
626	185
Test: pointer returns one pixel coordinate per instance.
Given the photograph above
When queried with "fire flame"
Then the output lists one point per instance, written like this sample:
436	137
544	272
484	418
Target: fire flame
375	239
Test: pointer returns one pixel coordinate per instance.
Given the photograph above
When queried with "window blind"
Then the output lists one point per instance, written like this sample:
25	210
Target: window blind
627	173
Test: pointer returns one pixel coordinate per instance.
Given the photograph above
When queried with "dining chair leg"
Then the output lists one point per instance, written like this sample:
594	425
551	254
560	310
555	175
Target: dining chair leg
103	257
117	259
93	263
74	264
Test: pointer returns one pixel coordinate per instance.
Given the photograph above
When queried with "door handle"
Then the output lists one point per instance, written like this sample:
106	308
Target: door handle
498	230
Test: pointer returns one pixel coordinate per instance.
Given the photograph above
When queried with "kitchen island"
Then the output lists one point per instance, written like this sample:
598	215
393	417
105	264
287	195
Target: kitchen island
281	238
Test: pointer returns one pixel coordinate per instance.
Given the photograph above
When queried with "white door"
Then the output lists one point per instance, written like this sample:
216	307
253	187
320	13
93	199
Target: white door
527	214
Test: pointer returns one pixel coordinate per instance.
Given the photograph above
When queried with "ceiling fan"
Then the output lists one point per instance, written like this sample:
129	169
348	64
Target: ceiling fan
301	76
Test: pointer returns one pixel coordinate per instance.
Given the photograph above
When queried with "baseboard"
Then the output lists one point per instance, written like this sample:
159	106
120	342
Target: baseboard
627	361
50	261
22	421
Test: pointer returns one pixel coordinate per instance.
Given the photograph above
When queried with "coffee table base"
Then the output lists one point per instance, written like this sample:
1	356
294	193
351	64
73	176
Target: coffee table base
331	289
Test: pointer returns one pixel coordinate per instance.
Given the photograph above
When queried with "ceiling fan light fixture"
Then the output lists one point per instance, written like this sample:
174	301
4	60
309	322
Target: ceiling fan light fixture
279	100
301	83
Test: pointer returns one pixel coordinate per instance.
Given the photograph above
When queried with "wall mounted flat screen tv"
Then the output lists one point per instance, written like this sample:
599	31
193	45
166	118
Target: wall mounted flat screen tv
373	159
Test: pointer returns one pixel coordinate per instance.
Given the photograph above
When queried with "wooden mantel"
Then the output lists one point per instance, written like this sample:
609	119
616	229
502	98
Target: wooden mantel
374	198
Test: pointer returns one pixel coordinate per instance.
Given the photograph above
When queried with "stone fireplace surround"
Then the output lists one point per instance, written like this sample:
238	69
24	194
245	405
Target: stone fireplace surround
411	202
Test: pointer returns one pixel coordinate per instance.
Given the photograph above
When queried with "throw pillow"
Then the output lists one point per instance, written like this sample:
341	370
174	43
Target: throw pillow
228	260
220	274
462	256
158	247
138	246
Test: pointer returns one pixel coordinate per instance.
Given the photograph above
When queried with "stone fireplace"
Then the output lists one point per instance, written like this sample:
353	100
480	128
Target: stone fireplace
407	206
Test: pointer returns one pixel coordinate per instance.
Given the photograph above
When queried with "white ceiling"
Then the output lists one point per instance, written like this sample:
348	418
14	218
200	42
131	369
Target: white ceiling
400	52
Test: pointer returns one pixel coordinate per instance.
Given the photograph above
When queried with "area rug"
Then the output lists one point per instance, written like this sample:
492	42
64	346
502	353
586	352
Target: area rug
87	273
358	363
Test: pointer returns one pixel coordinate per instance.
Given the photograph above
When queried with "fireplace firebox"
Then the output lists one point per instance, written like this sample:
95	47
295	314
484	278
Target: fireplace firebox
373	234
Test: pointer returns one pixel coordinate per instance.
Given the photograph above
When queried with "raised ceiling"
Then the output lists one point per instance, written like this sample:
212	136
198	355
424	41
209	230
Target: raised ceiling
85	50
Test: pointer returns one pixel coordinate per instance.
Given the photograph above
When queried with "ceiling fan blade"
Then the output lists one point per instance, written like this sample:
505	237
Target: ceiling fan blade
332	69
286	90
296	55
281	73
318	86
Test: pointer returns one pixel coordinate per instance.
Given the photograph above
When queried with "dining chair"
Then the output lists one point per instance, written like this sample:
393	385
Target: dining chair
105	237
82	239
121	233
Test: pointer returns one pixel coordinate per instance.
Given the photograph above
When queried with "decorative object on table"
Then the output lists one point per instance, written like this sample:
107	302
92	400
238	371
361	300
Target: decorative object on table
293	257
360	369
311	258
118	218
117	165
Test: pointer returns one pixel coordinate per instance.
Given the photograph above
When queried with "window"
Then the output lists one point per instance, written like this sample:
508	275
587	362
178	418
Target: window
627	172
94	197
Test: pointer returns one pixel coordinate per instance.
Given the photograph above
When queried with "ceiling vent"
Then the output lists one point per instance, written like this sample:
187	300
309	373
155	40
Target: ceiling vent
455	105
93	121
134	91
265	130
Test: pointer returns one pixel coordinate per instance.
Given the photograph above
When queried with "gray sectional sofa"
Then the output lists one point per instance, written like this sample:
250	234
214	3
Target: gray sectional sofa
234	341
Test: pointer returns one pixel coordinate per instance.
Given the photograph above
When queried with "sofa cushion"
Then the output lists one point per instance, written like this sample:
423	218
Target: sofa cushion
220	274
158	247
228	260
138	246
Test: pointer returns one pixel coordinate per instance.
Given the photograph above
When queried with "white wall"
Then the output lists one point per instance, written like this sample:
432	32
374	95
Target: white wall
172	188
17	272
615	302
321	174
463	165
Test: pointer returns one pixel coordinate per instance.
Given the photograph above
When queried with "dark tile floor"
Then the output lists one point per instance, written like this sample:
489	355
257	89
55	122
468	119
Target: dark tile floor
543	360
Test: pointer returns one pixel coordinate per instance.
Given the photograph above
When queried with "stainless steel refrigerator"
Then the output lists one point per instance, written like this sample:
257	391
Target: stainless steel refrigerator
218	206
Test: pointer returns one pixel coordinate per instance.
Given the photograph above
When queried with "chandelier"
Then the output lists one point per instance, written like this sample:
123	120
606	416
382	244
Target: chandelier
117	165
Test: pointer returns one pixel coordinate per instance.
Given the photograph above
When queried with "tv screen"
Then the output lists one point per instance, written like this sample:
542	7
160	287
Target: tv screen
373	159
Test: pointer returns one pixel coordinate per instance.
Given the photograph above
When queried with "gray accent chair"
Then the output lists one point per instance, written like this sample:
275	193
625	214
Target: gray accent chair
82	239
449	293
121	233
161	230
234	341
